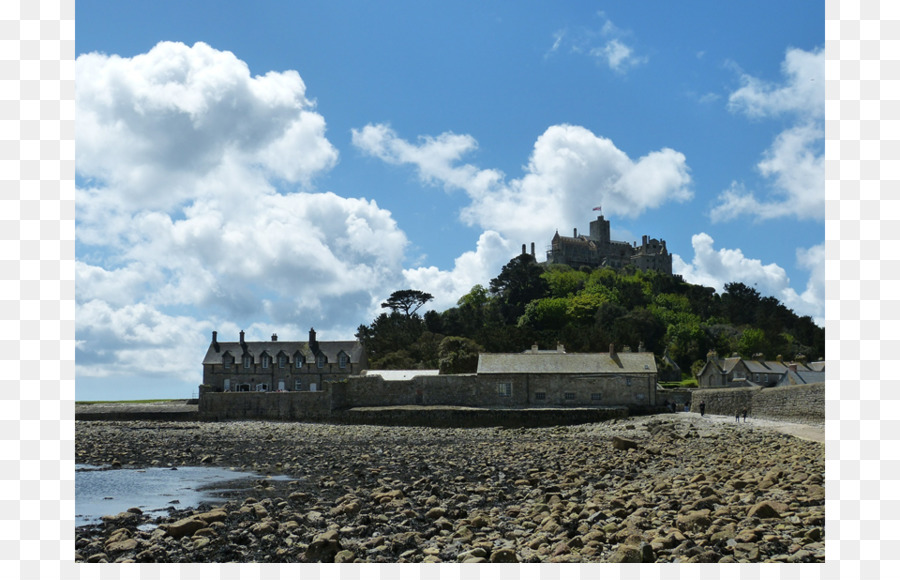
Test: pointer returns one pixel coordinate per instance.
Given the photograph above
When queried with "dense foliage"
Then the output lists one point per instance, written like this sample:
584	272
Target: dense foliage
586	310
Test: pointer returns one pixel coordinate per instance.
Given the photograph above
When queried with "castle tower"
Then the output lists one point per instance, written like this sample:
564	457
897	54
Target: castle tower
600	230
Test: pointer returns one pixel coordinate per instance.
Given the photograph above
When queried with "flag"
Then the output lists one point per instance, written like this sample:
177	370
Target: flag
596	208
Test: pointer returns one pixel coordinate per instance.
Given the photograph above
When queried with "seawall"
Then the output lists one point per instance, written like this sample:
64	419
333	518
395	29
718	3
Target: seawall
795	403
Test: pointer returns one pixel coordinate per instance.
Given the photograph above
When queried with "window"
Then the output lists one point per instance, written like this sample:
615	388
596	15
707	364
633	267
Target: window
320	360
298	361
247	360
298	385
570	396
226	362
265	361
281	361
504	389
343	359
540	396
595	396
628	381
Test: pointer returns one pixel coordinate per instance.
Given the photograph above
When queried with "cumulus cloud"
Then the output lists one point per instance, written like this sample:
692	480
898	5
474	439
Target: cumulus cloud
795	162
179	153
570	171
471	268
715	268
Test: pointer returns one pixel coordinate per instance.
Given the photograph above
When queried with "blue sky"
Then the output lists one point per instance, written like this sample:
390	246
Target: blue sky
276	166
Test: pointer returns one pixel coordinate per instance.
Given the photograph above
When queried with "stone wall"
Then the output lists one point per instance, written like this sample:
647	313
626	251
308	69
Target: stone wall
796	403
466	418
286	406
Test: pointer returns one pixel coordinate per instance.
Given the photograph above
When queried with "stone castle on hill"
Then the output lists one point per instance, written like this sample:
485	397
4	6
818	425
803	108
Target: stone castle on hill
597	250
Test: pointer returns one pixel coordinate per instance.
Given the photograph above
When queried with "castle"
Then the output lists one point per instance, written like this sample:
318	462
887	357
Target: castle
597	250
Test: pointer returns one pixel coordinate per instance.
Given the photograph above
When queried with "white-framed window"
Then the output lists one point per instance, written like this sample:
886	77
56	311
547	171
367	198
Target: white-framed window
298	361
569	396
298	385
265	361
343	359
226	362
504	389
320	360
247	360
281	361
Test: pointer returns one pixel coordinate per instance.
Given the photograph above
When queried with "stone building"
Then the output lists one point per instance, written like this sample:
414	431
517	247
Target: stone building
280	365
596	250
556	378
735	371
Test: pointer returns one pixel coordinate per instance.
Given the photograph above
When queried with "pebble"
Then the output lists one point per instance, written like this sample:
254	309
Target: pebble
668	488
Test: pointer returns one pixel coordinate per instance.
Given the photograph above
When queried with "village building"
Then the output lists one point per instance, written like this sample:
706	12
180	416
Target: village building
737	371
280	365
597	250
556	378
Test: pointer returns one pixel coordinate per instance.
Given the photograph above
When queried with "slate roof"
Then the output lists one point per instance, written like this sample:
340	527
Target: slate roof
330	349
802	378
566	363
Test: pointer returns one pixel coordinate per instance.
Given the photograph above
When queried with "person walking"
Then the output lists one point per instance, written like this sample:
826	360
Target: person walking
745	414
702	408
737	416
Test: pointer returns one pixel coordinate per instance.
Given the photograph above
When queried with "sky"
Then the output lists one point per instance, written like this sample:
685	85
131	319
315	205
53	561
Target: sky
285	165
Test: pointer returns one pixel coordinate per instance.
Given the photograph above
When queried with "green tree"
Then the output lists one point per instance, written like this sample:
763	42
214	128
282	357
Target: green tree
752	341
519	283
457	355
407	301
545	314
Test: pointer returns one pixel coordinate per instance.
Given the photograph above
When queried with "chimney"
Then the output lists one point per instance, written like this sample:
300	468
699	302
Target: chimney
313	343
274	338
215	342
575	232
779	359
242	337
793	367
643	240
523	248
534	348
532	249
711	356
560	348
612	350
641	346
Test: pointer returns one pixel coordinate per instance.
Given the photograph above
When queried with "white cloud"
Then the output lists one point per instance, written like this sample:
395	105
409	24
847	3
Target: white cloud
715	268
570	171
178	152
471	268
617	55
795	162
606	45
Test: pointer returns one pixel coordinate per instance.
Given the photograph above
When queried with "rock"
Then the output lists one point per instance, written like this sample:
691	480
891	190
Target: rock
626	555
184	527
504	556
623	444
324	547
767	509
122	546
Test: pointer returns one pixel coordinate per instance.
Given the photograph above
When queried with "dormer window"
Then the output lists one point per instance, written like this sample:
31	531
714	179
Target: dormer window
343	359
282	360
226	361
265	361
320	360
247	360
298	361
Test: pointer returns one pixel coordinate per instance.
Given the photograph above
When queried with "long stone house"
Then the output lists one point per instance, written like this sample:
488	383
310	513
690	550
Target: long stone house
560	379
280	365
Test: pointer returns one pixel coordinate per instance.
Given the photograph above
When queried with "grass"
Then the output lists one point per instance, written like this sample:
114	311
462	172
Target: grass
125	402
686	383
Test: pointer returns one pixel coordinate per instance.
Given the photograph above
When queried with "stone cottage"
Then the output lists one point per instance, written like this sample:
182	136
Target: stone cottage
280	365
555	378
737	371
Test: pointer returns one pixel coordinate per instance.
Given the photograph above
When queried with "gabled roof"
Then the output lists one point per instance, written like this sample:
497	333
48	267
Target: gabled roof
566	363
353	349
801	377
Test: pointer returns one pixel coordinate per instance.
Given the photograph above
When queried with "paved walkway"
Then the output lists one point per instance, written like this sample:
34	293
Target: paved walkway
799	430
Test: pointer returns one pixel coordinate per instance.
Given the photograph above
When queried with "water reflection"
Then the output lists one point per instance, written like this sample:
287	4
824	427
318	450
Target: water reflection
100	492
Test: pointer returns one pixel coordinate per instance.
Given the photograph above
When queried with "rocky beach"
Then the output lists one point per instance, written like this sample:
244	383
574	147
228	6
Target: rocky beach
663	488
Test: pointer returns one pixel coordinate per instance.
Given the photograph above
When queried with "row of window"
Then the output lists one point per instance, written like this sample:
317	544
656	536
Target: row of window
299	361
505	390
298	386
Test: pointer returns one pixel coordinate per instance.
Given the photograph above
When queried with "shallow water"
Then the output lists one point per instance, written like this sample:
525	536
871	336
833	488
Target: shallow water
100	492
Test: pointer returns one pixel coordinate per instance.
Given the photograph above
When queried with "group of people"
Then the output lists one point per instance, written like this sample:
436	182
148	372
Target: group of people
738	413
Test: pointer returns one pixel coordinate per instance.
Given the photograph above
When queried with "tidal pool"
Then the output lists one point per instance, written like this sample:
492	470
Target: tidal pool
100	492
